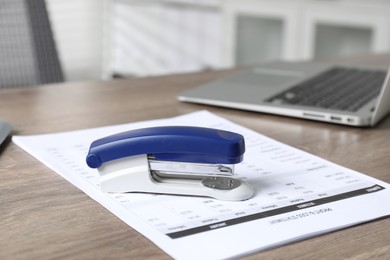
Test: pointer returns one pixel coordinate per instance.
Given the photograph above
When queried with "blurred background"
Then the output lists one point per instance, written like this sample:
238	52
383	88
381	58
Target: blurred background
101	39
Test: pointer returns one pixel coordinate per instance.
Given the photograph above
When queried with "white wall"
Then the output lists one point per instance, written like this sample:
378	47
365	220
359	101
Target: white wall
78	31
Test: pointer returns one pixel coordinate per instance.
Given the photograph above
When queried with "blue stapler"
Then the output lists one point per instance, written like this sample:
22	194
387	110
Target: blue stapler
171	160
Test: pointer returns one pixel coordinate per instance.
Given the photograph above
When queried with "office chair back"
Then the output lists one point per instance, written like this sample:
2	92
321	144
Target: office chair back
28	55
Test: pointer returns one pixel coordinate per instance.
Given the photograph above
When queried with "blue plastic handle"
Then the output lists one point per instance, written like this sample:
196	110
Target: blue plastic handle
170	143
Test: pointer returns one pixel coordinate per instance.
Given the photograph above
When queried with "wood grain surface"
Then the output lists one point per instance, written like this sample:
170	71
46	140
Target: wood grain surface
45	217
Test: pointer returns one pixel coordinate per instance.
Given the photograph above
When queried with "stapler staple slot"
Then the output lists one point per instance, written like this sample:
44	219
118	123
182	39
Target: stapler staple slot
171	160
191	168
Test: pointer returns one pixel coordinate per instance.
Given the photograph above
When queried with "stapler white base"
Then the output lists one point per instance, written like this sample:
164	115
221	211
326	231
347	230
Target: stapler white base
133	174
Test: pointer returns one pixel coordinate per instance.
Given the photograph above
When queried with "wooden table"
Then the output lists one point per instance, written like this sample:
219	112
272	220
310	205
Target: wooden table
44	216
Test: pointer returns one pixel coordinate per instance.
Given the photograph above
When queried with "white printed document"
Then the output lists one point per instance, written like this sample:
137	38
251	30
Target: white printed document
298	195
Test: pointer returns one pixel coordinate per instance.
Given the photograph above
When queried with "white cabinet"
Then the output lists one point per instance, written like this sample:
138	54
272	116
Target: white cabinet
259	30
151	37
262	30
172	36
345	27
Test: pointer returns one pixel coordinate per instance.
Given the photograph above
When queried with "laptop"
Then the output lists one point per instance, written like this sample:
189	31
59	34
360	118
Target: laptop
356	96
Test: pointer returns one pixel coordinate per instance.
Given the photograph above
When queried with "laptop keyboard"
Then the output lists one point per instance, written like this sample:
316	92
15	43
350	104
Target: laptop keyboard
338	88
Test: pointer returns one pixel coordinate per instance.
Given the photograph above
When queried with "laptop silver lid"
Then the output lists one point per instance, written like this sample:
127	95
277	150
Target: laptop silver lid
383	102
